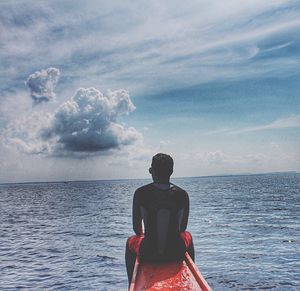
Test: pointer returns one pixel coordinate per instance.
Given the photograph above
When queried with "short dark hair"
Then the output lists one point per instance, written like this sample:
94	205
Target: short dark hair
162	165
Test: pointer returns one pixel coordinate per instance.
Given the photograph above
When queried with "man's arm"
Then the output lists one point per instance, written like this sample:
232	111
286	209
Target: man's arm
186	211
136	215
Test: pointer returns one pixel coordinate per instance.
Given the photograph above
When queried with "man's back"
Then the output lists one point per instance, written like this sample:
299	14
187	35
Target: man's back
165	214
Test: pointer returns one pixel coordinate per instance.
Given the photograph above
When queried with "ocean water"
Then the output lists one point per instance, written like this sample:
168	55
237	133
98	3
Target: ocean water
71	236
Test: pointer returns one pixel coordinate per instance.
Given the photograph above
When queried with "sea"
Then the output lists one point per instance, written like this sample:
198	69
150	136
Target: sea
72	235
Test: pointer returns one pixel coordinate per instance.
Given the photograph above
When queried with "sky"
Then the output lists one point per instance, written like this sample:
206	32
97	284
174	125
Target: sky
93	89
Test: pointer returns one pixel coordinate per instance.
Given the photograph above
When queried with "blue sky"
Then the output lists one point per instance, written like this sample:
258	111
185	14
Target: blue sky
93	89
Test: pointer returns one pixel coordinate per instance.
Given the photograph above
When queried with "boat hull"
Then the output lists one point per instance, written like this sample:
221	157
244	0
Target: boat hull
182	275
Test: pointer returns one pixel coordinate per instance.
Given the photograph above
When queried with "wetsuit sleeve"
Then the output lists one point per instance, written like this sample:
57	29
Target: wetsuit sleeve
136	215
186	205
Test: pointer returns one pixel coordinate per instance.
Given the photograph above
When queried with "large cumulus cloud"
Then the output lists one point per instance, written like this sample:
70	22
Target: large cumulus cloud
85	125
88	122
42	84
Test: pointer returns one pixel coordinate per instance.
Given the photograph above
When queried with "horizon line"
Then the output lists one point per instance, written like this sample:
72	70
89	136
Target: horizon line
127	179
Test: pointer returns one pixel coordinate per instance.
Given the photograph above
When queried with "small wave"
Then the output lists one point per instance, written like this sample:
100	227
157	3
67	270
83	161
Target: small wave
81	234
289	241
106	258
54	250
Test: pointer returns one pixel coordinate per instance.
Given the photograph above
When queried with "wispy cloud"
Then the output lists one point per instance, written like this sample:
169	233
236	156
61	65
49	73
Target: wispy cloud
179	44
288	122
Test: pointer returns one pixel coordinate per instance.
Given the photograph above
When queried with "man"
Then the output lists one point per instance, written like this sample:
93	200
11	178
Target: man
163	208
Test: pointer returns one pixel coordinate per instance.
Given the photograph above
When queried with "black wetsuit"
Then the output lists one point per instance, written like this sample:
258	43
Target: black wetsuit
164	213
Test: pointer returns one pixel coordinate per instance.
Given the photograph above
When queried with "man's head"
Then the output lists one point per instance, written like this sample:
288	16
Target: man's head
161	167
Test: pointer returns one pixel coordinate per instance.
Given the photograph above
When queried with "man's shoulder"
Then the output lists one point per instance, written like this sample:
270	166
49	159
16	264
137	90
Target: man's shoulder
179	189
143	188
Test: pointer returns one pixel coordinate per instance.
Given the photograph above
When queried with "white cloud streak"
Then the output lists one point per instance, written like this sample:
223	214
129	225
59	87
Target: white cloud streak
171	40
288	122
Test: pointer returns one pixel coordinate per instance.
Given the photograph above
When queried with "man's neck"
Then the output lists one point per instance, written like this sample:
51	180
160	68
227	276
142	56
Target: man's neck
158	181
162	185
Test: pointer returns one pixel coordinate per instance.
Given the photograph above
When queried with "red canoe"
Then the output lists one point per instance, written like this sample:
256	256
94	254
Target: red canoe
168	276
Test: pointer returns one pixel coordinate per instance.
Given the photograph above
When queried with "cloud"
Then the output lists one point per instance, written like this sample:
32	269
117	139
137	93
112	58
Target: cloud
258	158
23	133
42	84
289	122
85	125
216	157
274	145
164	144
180	45
88	122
